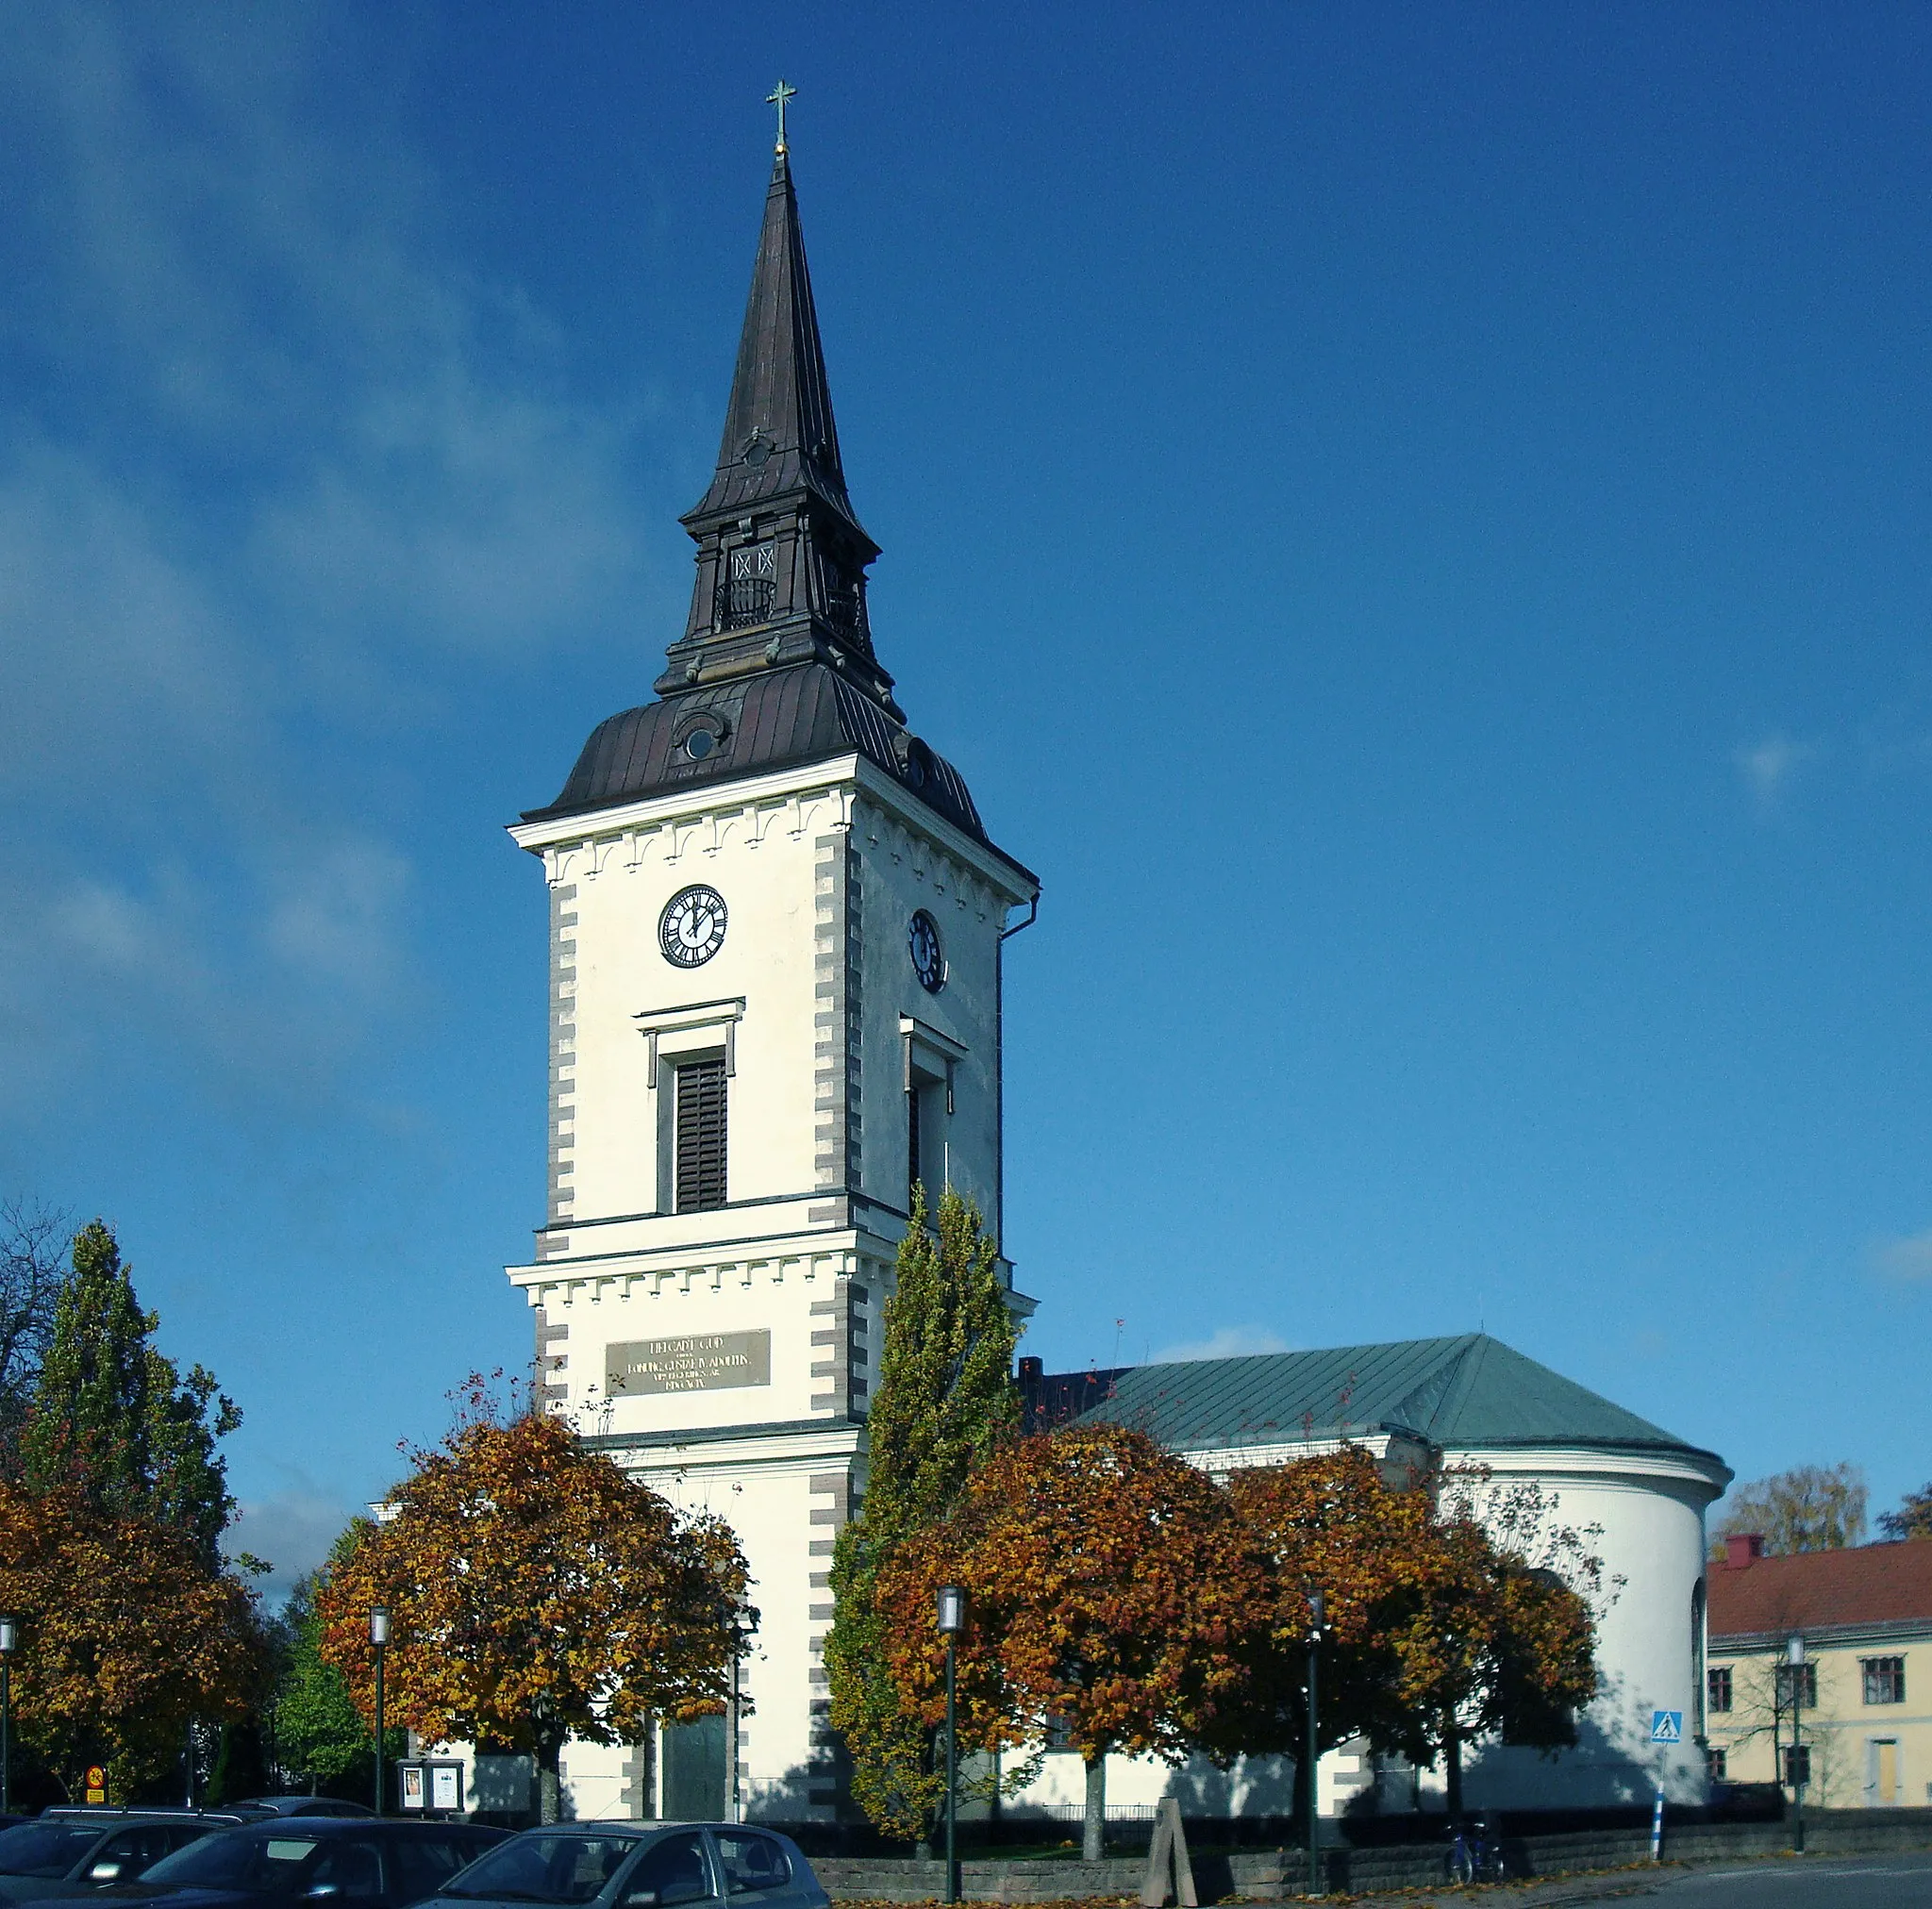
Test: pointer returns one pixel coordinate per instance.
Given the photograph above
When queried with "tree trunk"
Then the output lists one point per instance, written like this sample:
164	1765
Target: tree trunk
1298	1798
1094	1825
1452	1759
549	1782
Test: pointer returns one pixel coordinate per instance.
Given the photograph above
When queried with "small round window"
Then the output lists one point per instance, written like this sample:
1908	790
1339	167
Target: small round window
700	737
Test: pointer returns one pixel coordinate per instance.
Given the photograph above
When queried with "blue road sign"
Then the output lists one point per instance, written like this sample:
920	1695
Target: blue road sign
1667	1726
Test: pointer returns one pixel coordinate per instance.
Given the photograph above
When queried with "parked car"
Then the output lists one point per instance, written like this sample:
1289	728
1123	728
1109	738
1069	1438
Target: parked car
65	1850
305	1806
350	1860
638	1866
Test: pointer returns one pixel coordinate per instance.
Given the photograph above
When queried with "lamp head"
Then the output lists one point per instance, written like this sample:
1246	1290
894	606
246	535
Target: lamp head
378	1626
1317	1605
1794	1651
952	1611
10	1635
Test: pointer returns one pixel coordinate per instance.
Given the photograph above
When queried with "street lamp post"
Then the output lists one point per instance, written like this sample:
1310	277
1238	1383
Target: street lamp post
378	1639
1315	1607
952	1622
9	1637
1794	1664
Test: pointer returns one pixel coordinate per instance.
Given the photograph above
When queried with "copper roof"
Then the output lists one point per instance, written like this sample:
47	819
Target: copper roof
1873	1584
1471	1393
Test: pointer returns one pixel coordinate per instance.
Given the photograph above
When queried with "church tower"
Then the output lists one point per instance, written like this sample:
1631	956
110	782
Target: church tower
777	924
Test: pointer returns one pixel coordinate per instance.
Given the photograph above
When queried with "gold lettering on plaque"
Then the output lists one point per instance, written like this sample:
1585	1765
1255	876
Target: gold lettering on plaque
699	1362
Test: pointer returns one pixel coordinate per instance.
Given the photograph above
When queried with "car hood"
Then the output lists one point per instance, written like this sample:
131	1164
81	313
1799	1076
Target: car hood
35	1888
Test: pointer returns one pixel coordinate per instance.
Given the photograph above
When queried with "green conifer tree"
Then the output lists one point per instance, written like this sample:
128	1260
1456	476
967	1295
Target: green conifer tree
945	1400
113	1416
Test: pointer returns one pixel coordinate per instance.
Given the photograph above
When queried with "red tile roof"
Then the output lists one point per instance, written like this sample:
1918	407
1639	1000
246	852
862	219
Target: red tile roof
1875	1584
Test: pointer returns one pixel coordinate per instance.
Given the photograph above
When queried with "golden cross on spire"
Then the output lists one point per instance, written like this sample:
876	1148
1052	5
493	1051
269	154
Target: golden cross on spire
777	99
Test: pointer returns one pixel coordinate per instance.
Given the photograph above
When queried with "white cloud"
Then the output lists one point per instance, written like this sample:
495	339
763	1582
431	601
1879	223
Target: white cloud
291	1530
1767	766
334	913
1228	1342
306	470
1908	1258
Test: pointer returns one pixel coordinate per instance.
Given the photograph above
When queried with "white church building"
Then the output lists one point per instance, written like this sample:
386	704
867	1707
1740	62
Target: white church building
776	938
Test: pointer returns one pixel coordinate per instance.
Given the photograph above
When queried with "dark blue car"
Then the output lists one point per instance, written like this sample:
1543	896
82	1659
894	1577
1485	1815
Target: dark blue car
347	1859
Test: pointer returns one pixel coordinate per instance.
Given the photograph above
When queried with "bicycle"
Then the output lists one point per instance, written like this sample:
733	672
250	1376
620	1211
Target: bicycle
1474	1855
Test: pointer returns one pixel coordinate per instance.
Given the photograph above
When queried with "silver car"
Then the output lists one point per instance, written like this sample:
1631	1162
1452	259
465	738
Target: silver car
638	1866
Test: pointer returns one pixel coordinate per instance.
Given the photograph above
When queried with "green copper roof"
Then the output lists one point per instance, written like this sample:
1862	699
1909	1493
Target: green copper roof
1467	1394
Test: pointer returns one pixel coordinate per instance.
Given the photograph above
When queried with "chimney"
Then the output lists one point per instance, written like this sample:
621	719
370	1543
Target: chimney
1742	1550
1031	1372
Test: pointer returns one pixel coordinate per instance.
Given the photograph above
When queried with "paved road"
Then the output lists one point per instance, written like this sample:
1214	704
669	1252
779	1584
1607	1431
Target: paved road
1902	1882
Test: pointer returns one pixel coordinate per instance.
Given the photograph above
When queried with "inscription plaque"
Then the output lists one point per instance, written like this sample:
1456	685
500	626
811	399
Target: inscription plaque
700	1362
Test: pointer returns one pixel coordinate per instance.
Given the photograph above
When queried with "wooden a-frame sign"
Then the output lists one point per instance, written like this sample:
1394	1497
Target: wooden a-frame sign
1169	1872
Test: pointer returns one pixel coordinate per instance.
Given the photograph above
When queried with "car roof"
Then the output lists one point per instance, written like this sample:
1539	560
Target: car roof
344	1826
113	1816
604	1826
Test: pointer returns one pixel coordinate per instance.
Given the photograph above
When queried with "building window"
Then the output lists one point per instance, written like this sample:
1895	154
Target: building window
1885	1679
699	1143
1718	1764
1718	1687
927	1107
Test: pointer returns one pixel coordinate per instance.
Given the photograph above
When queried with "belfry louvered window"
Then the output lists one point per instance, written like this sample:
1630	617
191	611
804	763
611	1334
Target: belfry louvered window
700	1153
747	586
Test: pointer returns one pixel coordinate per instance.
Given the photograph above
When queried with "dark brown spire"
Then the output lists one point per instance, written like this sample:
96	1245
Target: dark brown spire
781	556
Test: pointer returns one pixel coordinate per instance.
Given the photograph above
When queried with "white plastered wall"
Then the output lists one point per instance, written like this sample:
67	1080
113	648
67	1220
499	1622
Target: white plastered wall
789	1253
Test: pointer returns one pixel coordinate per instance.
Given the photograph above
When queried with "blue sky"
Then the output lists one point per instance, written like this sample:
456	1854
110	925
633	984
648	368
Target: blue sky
1413	520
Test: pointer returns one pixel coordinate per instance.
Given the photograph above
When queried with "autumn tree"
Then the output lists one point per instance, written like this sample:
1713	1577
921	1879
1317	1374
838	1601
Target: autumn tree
537	1593
1372	1546
945	1402
114	1418
1503	1640
1912	1519
127	1635
1447	1614
1809	1508
1112	1594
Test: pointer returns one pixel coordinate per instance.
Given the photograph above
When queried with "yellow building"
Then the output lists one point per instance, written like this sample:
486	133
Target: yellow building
1863	1618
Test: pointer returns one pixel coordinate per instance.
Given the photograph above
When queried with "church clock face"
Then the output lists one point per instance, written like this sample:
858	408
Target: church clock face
691	928
929	963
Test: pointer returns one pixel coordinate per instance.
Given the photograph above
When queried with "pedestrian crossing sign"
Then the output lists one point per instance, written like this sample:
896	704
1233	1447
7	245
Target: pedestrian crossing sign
1667	1726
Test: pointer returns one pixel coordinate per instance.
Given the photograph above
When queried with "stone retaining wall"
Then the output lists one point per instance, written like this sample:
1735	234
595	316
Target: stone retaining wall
1270	1875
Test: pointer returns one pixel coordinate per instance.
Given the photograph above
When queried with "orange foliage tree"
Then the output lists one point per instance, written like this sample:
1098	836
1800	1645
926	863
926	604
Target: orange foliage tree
127	1636
1504	1642
1448	1613
1111	1593
536	1593
1334	1523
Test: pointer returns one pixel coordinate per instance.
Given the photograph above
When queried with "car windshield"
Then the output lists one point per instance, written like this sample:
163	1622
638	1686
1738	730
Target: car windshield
534	1868
45	1848
276	1863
